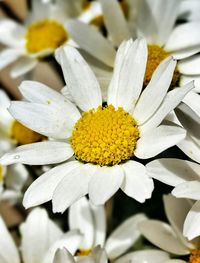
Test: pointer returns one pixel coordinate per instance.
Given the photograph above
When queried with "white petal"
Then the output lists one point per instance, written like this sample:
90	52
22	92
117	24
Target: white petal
41	190
124	236
40	153
136	183
95	44
189	10
186	79
153	95
163	236
192	99
98	255
36	236
71	241
80	79
189	190
173	171
171	100
171	204
144	256
127	80
16	177
12	33
7	56
184	36
105	183
23	66
115	21
81	218
72	187
191	227
8	252
99	215
63	256
48	120
190	66
37	92
190	148
185	53
157	140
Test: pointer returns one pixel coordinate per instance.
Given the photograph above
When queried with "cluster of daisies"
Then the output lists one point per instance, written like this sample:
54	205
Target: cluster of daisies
117	149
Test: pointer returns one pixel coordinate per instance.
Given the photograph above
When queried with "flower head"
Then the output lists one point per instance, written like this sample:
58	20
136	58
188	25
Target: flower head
105	160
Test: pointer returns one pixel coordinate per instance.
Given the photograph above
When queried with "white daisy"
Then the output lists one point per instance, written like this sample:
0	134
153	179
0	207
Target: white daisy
170	237
40	239
98	255
43	31
103	139
91	222
164	39
184	177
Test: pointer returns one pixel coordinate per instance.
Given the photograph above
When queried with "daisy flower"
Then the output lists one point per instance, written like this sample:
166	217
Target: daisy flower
98	255
91	222
184	177
164	39
40	239
43	31
170	237
104	139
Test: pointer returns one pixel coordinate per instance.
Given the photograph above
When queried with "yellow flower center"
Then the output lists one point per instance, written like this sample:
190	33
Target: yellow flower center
195	256
85	4
1	173
156	55
105	136
83	252
125	7
45	34
23	135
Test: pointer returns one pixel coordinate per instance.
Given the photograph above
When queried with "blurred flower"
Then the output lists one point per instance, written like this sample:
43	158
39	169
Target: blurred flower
164	39
103	139
98	255
43	32
170	237
184	177
12	132
40	239
91	222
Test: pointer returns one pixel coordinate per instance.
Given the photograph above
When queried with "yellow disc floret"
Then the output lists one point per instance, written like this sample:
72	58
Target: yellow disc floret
105	136
45	34
195	256
156	55
83	252
23	135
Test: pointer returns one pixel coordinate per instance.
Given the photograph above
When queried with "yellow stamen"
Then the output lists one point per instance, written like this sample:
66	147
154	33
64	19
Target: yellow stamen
105	136
86	4
45	34
125	7
1	173
83	252
156	55
23	135
97	21
195	256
